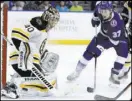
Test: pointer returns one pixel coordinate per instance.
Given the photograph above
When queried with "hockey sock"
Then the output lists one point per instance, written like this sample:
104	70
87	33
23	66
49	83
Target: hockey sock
80	66
82	63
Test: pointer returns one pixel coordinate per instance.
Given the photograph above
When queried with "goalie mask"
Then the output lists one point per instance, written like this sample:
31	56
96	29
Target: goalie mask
52	16
49	62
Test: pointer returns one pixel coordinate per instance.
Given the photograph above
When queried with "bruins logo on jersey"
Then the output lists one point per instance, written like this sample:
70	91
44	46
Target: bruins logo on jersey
41	50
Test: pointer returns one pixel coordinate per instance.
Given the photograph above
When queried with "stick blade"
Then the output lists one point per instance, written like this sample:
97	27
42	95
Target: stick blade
90	90
100	97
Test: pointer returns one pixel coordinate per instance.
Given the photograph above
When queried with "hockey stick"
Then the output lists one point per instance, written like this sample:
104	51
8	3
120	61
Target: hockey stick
89	89
37	73
6	39
100	97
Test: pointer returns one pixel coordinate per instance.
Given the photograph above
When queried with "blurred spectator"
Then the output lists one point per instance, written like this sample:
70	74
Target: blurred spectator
11	4
53	3
62	7
44	5
30	5
116	6
76	7
6	2
18	5
68	4
37	5
93	5
122	3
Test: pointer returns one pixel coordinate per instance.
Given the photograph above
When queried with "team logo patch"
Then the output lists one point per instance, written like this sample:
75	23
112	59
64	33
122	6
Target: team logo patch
113	23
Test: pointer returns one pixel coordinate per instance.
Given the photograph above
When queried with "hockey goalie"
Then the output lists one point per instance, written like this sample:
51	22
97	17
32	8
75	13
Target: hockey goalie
29	52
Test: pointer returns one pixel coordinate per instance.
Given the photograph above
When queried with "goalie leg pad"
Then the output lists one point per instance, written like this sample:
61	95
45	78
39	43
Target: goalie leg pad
50	61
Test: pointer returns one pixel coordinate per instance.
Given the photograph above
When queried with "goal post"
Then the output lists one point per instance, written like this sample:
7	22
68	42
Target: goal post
4	16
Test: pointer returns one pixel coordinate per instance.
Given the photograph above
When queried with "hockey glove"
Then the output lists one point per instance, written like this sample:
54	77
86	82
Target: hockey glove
95	21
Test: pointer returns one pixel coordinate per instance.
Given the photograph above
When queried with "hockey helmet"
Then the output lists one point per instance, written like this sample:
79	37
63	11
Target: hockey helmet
105	9
105	5
130	4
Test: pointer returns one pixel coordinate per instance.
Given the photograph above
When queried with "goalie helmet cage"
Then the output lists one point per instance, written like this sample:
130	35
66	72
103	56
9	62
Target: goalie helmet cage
3	58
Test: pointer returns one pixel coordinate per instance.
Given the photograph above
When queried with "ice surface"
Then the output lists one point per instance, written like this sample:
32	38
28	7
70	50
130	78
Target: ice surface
77	90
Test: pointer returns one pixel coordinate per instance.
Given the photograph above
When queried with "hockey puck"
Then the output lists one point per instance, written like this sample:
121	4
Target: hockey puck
91	90
25	89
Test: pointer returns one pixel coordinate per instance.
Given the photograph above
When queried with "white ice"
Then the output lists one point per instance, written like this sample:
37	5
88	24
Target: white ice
69	56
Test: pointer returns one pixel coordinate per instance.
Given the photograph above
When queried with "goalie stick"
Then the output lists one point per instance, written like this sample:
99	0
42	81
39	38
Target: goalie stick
6	39
100	97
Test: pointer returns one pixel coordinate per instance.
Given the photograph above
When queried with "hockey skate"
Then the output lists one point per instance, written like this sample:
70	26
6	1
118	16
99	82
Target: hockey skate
114	78
124	74
10	91
73	76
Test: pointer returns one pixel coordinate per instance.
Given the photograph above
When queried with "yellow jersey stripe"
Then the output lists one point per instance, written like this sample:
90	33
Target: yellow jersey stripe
36	56
39	87
18	36
127	65
36	61
43	30
13	58
21	31
16	55
13	53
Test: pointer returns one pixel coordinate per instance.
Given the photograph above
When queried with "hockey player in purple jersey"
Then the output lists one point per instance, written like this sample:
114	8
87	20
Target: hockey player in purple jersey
112	34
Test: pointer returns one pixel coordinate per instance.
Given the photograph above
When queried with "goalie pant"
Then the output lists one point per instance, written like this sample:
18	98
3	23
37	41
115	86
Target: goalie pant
28	86
32	86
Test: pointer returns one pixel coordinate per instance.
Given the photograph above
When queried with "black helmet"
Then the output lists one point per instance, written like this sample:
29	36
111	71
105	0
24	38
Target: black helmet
130	4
